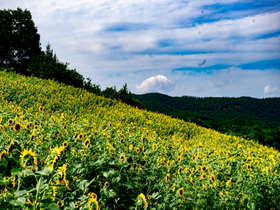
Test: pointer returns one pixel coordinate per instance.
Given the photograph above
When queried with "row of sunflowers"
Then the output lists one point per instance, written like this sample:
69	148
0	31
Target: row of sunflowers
64	148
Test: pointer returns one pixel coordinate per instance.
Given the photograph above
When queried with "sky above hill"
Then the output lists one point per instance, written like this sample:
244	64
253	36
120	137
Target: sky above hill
176	47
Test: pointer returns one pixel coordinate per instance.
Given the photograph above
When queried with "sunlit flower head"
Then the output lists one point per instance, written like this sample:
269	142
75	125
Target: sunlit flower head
11	121
203	176
179	158
106	184
167	178
16	127
59	204
203	168
86	143
25	153
122	157
180	169
65	144
145	203
2	154
180	191
137	149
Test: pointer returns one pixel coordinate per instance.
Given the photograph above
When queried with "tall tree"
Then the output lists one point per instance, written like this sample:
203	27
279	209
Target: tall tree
19	39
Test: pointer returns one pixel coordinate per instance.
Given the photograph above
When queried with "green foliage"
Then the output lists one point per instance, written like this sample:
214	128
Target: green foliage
47	66
19	39
257	119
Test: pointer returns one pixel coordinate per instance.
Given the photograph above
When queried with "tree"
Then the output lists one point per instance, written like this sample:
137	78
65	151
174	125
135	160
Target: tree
19	39
47	66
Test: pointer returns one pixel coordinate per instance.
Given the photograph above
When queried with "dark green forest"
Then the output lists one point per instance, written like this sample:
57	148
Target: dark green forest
257	119
21	52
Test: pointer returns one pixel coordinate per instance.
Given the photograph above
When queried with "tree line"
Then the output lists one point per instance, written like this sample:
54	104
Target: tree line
21	52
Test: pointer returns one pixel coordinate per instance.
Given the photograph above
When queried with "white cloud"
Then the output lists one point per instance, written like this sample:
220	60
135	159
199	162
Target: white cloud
156	83
268	90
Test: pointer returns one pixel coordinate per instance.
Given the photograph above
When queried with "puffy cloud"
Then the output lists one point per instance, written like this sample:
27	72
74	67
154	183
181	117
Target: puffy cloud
156	83
268	90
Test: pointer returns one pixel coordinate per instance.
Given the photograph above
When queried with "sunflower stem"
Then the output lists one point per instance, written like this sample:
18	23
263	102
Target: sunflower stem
38	190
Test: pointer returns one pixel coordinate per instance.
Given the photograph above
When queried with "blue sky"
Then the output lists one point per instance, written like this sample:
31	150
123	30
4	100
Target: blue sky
176	47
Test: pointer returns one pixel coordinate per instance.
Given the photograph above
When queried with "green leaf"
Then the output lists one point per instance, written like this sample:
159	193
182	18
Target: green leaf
112	193
251	206
18	202
53	206
46	172
154	195
28	173
16	171
21	192
84	184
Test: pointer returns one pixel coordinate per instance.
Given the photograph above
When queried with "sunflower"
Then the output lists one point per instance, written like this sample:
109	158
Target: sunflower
32	154
59	204
30	201
16	127
41	108
149	197
203	176
93	200
11	121
137	149
10	147
180	191
106	184
92	195
203	168
249	167
222	192
2	154
122	157
167	178
179	159
180	169
212	178
86	143
142	196
65	144
27	126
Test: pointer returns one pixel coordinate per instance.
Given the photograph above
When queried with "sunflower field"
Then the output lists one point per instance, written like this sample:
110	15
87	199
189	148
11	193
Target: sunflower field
64	148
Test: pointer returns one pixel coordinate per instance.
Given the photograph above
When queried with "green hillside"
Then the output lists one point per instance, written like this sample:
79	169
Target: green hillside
65	148
258	119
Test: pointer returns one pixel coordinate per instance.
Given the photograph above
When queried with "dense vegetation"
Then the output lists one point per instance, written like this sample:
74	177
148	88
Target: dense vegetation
257	119
20	52
64	148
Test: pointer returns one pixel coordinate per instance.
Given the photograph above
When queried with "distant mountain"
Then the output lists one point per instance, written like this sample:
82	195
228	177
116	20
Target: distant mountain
258	119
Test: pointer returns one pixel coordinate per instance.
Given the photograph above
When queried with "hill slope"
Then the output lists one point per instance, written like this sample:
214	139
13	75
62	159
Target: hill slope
257	118
62	147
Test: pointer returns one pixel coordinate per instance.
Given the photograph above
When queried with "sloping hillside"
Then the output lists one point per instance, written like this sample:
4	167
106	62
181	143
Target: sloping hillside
258	119
62	147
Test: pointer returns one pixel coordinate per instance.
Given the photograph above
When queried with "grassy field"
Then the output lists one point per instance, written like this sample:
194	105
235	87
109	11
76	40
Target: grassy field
64	148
